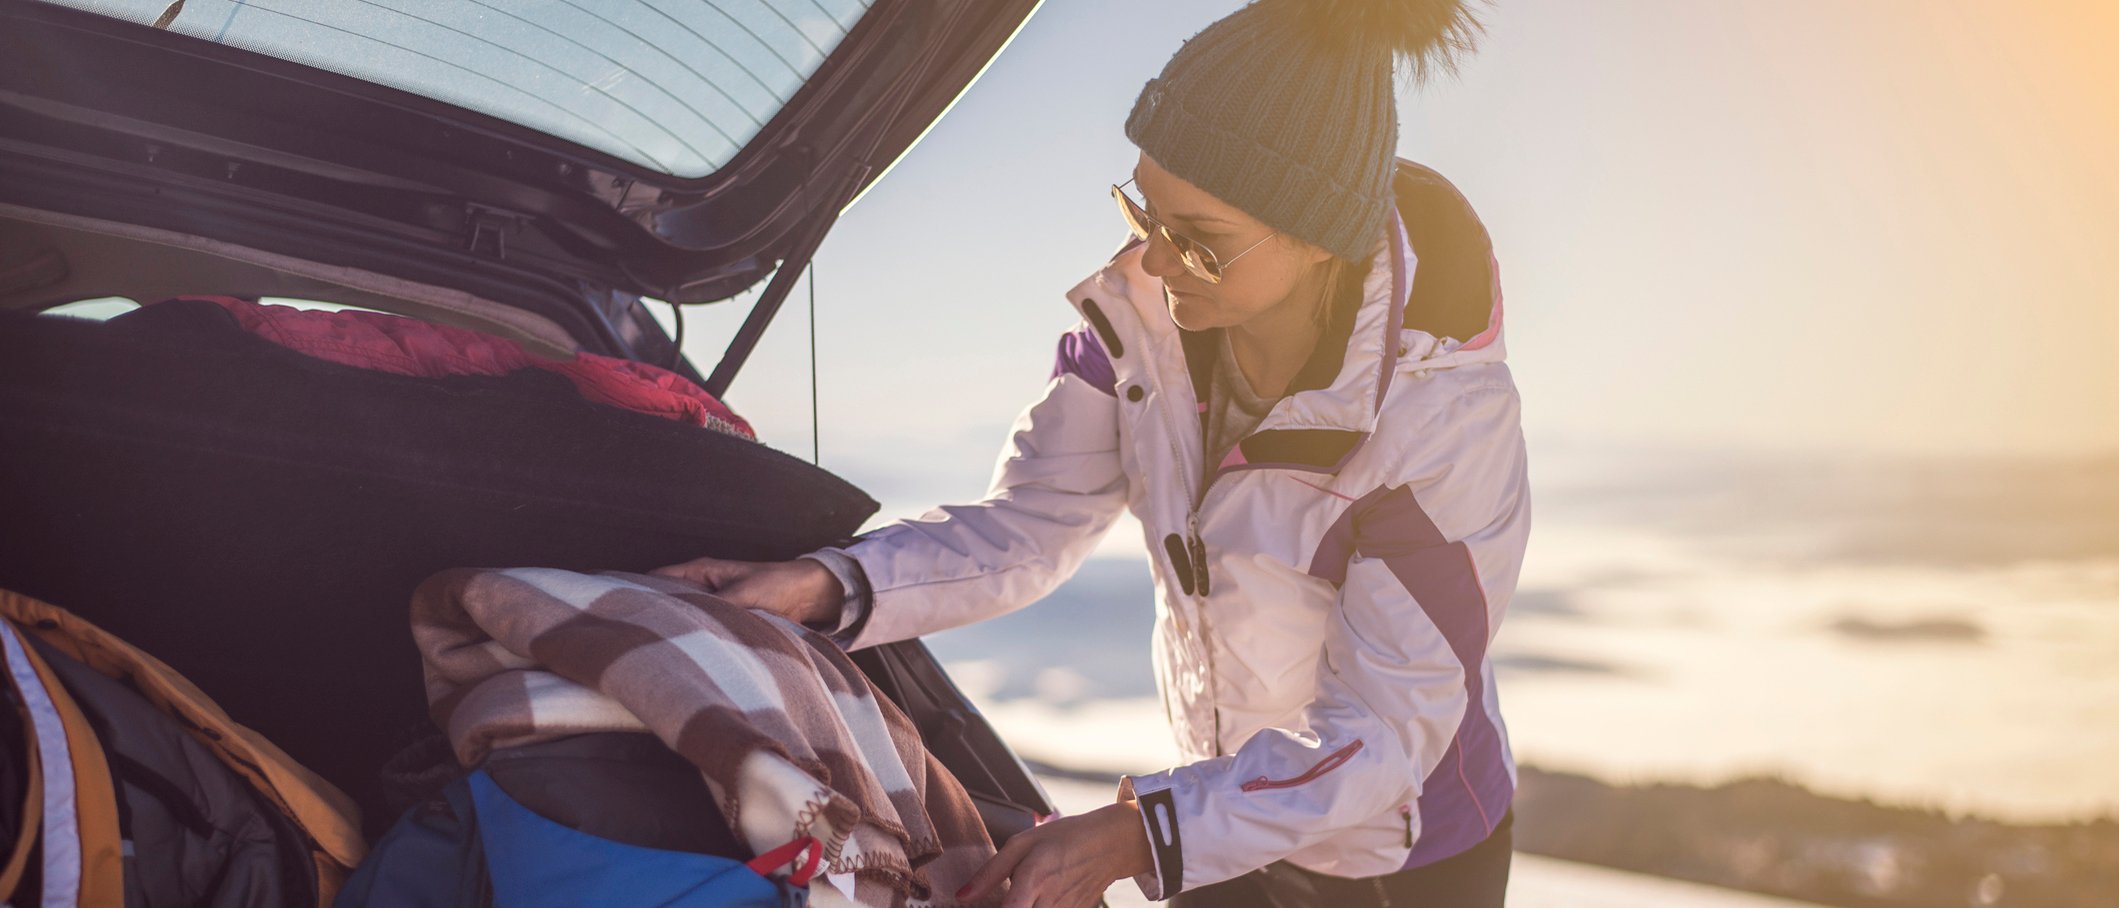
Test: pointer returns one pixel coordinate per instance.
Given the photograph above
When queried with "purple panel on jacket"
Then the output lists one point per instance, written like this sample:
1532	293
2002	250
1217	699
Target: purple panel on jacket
1081	354
1465	796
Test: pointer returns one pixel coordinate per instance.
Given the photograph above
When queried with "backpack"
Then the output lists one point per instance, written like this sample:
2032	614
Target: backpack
474	846
123	785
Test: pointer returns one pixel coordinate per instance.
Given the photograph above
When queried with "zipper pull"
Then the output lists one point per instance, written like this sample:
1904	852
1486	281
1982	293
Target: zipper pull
1198	552
1406	811
1199	566
1181	563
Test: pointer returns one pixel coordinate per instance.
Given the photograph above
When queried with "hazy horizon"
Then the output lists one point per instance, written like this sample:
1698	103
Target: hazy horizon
1757	226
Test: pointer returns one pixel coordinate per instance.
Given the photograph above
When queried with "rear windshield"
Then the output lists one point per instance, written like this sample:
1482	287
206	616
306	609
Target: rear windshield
674	85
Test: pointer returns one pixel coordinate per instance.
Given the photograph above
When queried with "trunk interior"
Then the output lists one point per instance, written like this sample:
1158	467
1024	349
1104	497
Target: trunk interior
257	518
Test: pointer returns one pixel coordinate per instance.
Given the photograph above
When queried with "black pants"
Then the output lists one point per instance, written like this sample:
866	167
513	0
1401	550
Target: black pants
1478	878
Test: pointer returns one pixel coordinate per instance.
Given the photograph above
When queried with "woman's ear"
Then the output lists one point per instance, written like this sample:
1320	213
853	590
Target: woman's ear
1308	253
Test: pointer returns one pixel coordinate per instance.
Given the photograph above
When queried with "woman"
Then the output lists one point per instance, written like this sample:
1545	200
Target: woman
1294	379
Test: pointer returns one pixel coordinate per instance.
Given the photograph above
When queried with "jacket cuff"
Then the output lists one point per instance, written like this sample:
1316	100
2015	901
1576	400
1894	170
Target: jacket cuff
872	555
1158	812
858	601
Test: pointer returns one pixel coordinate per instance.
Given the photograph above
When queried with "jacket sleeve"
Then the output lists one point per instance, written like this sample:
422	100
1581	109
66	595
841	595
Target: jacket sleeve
1399	746
1058	487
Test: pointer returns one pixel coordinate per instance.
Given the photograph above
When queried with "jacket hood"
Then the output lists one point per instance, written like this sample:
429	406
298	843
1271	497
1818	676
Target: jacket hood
1431	301
1453	316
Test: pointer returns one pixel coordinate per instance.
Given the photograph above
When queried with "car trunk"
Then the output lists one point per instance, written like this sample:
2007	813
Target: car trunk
257	518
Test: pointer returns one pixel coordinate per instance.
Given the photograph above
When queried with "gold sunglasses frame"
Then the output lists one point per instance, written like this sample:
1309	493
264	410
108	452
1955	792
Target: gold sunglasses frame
1199	261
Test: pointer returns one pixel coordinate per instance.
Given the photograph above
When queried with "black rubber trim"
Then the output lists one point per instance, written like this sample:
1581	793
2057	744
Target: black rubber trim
1323	449
1159	810
1102	325
1180	562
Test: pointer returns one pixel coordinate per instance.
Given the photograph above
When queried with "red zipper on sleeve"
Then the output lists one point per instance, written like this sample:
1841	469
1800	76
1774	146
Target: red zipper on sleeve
1337	759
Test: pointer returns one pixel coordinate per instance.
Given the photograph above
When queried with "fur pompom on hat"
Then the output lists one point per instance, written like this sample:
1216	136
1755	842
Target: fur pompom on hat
1286	109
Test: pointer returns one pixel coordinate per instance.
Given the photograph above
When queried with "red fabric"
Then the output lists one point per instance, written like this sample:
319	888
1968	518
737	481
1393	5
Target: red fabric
408	346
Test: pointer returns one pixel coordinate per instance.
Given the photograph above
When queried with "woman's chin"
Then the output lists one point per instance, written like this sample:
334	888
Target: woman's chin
1192	313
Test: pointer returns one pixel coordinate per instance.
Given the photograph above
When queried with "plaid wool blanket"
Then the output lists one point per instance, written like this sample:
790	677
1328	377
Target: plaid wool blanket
792	739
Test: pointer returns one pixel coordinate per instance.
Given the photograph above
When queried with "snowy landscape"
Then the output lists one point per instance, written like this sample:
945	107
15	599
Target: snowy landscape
1770	640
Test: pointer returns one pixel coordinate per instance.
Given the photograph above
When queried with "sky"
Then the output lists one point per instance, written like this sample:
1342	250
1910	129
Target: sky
1812	309
1877	228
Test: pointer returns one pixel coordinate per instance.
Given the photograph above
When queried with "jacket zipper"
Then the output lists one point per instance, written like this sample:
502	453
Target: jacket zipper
1194	562
1337	759
1188	555
1197	550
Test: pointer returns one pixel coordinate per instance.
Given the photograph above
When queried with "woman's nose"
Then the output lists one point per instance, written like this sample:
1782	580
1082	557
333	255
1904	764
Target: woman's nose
1160	259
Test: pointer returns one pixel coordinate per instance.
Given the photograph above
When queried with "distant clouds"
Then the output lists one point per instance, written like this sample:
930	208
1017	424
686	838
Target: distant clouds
1917	630
1809	508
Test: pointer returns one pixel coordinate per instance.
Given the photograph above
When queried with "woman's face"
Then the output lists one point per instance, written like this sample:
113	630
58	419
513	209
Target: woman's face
1262	281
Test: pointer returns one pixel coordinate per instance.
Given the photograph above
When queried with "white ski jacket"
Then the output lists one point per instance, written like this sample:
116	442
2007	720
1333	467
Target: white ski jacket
1324	601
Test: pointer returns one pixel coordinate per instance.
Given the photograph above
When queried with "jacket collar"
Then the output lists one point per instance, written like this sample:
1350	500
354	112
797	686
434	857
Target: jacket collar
1332	405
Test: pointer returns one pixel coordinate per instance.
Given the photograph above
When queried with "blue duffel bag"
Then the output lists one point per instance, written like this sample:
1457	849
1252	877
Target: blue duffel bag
476	847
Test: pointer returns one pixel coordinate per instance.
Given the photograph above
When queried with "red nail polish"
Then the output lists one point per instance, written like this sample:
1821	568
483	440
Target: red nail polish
963	893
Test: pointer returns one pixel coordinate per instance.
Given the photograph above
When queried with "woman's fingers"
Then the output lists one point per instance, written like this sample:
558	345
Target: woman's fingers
1066	863
1026	863
801	590
698	570
995	870
704	572
1033	886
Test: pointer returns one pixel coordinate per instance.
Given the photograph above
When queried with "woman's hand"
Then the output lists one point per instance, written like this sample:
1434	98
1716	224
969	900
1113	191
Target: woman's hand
801	590
1068	862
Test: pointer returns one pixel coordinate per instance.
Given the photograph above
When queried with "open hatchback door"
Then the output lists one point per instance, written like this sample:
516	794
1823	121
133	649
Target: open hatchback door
258	518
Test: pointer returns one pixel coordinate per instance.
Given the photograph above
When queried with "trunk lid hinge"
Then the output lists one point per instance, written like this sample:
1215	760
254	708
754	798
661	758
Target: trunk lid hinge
486	230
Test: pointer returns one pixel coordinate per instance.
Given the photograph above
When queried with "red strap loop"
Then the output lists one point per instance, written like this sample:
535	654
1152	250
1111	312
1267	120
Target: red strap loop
806	850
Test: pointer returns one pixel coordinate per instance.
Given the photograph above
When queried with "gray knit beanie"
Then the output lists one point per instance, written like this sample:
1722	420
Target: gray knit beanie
1284	109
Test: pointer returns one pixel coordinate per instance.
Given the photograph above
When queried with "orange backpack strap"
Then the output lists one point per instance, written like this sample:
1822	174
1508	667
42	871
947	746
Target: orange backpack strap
83	849
32	796
323	812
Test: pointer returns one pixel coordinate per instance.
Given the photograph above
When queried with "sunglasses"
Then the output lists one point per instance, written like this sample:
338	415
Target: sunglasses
1197	258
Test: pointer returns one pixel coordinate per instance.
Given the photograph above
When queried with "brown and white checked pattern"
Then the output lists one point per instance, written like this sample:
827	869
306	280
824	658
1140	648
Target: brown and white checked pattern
790	736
